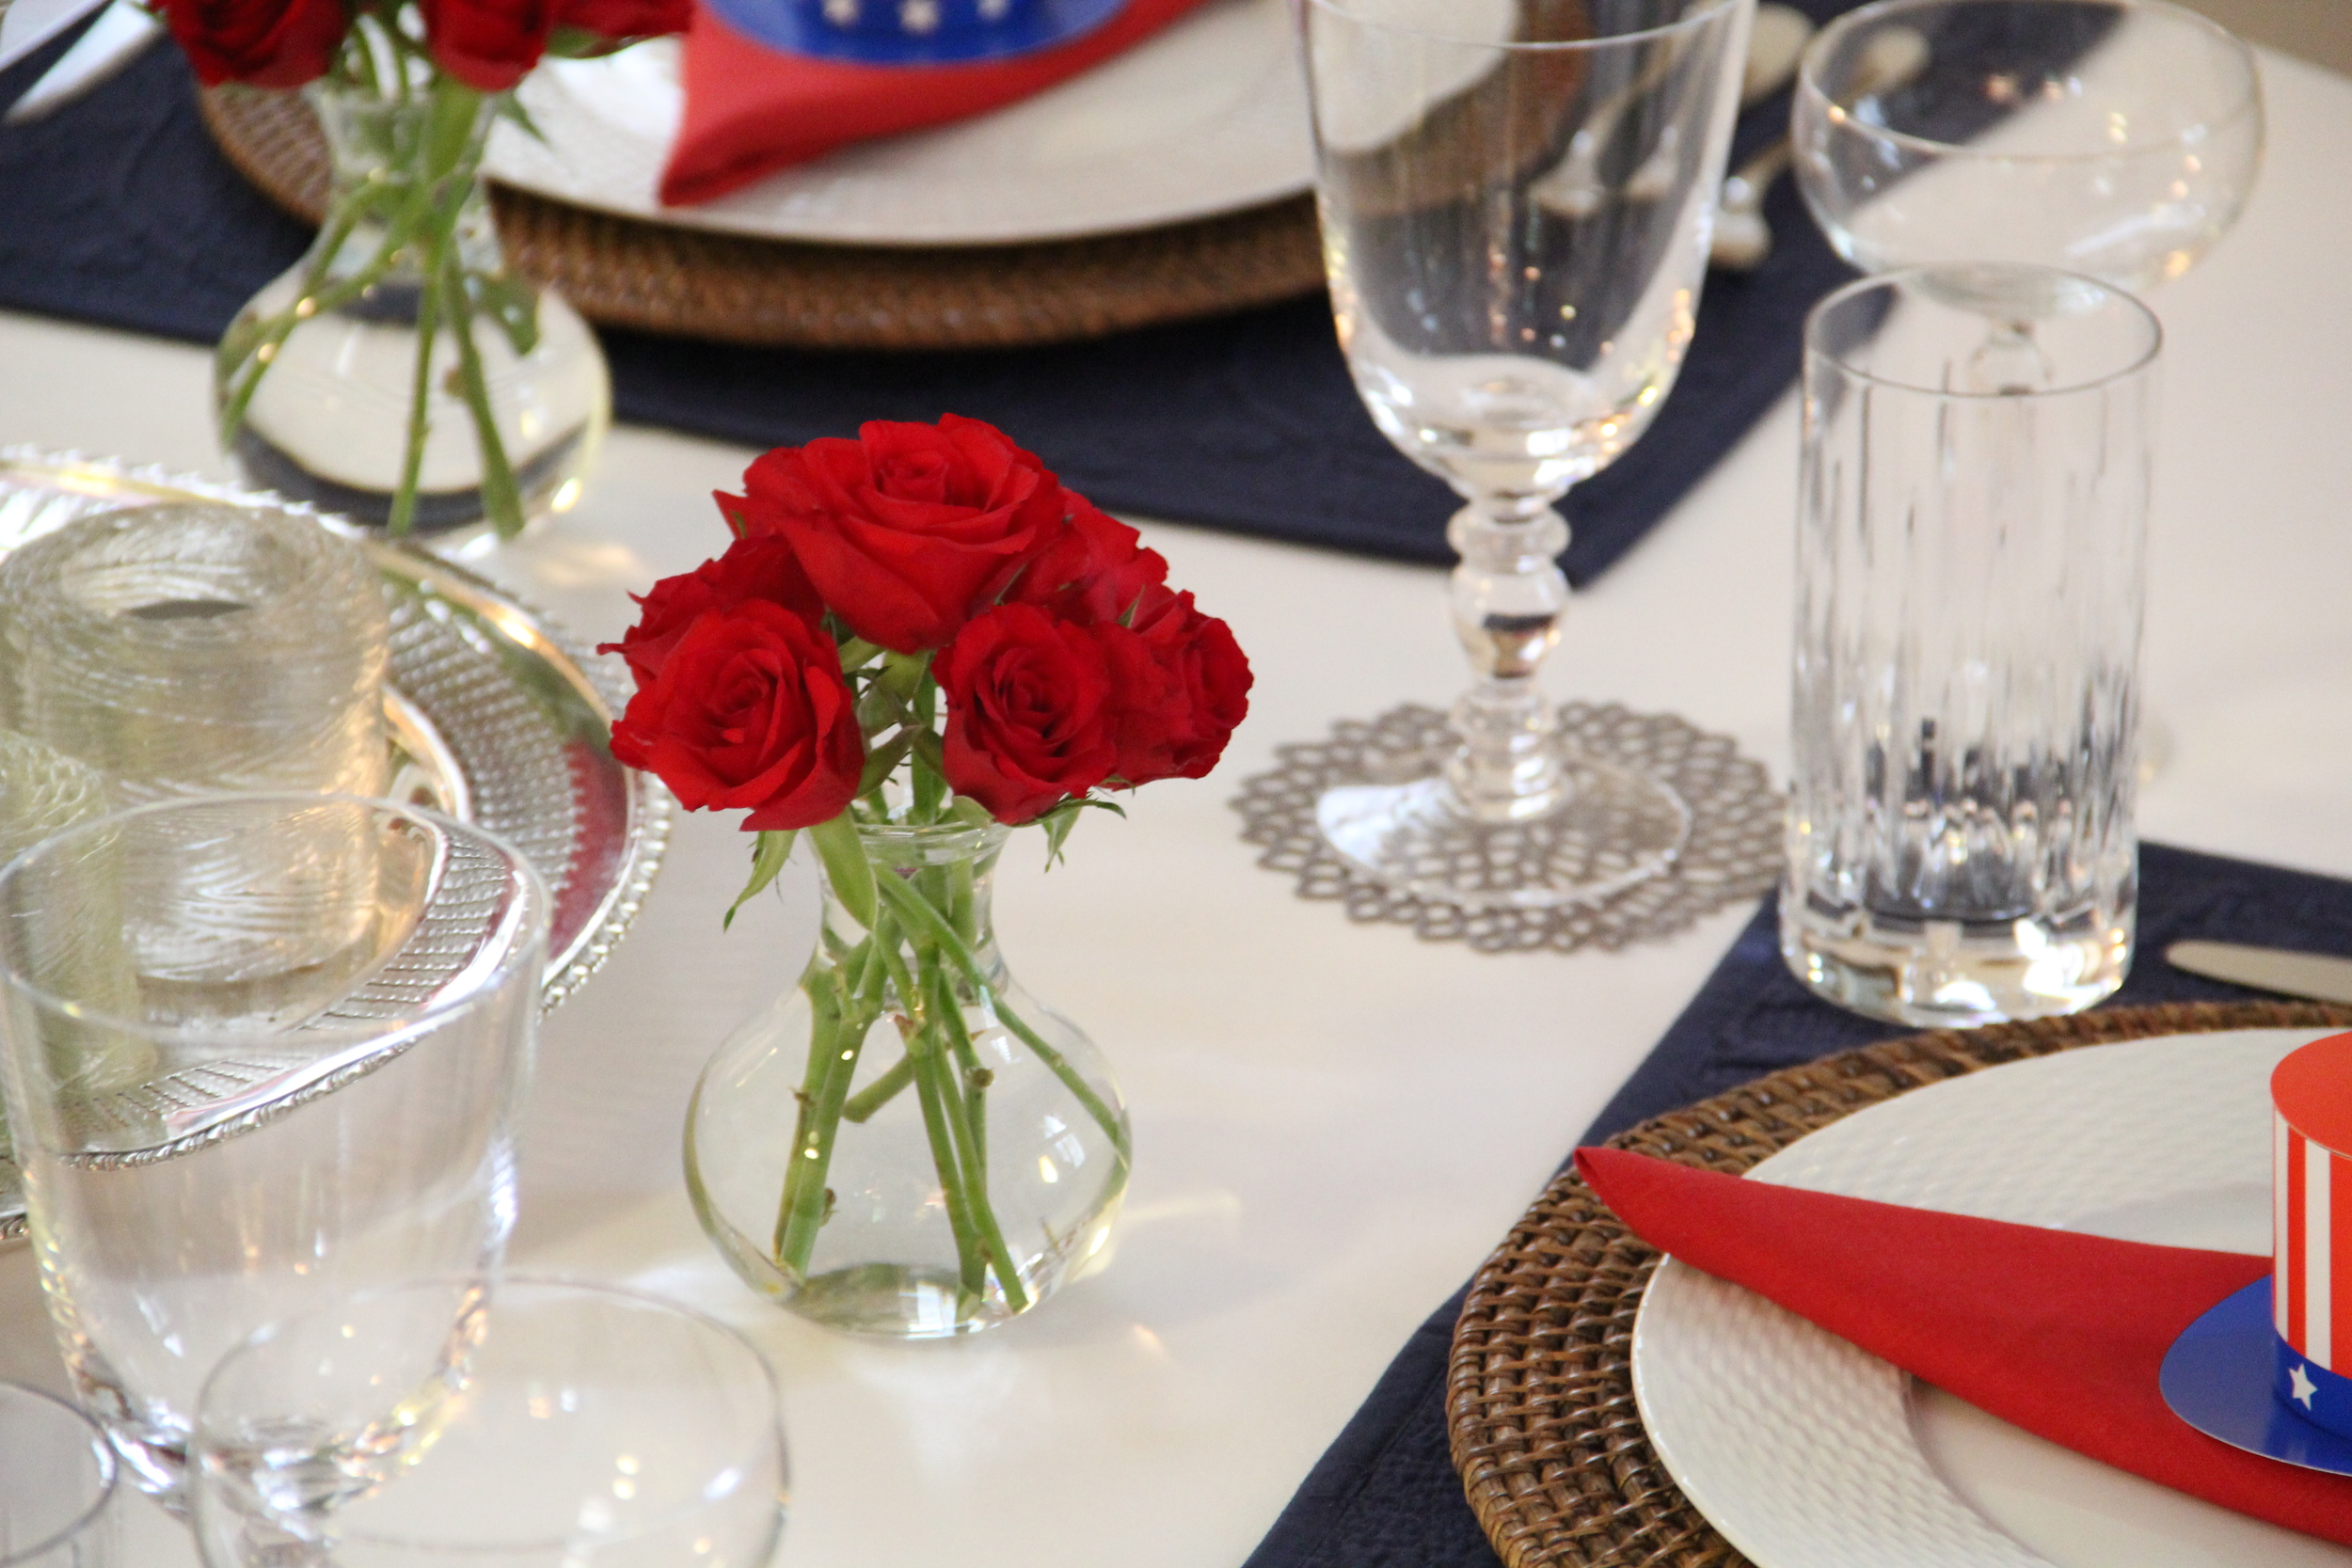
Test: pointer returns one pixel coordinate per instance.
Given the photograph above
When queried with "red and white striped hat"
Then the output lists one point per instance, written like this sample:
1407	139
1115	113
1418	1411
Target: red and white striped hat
2311	1202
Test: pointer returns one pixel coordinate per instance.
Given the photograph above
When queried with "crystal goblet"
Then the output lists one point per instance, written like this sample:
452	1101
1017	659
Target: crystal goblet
57	1484
1517	197
258	1052
562	1425
2113	137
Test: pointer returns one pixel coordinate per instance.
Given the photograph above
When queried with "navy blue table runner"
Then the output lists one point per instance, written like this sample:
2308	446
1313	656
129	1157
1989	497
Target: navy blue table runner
118	210
1386	1494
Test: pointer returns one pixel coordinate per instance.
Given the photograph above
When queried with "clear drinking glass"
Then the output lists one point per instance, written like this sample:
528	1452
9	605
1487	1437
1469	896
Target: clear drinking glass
1517	197
260	1053
188	648
57	1484
562	1426
2114	137
1970	570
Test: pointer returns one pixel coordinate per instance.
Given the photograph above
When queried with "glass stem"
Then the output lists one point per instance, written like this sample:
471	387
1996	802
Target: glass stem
1508	596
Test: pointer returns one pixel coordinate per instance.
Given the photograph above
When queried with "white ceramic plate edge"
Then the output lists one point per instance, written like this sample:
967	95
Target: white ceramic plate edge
1802	1451
1206	116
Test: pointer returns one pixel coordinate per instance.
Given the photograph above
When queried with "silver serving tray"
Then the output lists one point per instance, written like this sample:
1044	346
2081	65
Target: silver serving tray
497	717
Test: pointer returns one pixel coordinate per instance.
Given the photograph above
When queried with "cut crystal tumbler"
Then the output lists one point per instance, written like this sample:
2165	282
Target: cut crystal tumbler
1969	581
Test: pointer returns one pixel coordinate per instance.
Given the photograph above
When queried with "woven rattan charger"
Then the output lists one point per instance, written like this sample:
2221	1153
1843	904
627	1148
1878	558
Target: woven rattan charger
1539	1394
735	288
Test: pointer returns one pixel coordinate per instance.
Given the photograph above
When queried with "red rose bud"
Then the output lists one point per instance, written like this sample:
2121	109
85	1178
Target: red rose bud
487	44
911	528
262	43
750	569
1181	688
749	710
1095	568
1029	712
615	21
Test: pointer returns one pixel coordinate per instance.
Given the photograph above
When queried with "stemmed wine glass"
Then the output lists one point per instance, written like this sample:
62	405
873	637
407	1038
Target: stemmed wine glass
2113	137
1517	199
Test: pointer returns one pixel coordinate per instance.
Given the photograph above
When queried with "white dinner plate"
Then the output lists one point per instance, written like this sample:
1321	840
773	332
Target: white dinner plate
1805	1452
1206	116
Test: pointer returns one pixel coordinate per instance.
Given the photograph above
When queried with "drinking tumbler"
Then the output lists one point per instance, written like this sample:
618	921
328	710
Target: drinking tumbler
1970	561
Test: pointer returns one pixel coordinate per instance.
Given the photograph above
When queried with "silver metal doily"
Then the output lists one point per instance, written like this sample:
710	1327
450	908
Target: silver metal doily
1733	851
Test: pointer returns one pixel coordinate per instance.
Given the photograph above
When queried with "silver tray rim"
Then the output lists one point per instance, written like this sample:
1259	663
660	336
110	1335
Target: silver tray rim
592	676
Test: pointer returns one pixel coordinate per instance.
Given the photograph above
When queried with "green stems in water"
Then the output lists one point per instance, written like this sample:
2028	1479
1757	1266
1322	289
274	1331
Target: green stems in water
908	967
921	915
414	205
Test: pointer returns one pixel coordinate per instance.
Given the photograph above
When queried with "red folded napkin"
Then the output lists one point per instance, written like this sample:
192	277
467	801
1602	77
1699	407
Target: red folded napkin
752	110
2059	1332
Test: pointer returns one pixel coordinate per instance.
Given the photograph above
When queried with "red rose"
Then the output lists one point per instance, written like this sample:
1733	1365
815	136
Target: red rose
487	44
1183	686
614	21
750	569
749	709
1029	712
910	529
263	43
1094	569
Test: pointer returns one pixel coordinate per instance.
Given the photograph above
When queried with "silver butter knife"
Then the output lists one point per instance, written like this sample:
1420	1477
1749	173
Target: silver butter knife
2321	977
119	36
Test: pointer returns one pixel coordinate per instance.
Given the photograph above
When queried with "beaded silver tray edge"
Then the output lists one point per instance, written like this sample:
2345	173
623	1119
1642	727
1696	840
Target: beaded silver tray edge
498	717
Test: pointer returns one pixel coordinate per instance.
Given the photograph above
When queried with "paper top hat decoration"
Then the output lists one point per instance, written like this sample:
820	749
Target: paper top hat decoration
914	32
2289	1336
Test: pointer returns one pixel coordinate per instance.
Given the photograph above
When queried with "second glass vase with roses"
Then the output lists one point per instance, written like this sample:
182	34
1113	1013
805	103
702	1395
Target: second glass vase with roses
919	642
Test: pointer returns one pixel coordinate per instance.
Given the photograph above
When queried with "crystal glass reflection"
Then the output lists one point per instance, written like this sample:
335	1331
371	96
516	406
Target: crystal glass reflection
2113	137
562	1426
1517	197
57	1484
260	1053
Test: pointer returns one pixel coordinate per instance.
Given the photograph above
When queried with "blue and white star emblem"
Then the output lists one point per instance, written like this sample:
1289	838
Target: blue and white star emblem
2303	1387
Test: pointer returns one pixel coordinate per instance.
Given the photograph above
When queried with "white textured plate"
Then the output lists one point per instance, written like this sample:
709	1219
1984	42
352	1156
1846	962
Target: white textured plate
1206	117
1805	1452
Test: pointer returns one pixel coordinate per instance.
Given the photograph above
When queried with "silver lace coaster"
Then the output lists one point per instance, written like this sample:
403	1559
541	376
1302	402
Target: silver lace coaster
1733	851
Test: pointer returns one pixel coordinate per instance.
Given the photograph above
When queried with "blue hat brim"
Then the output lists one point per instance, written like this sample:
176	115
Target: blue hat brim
2219	1377
799	28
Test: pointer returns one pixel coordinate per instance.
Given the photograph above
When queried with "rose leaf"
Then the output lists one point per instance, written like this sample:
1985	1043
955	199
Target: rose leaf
768	857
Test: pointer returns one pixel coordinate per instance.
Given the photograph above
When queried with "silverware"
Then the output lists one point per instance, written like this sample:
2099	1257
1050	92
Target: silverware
120	35
1576	189
1742	236
26	24
2321	977
1777	43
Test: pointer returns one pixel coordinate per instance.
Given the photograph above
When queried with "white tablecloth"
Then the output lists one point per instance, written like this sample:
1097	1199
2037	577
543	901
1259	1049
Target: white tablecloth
1334	1123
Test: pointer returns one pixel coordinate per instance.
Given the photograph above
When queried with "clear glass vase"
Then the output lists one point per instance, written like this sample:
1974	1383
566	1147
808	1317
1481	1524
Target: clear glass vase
908	1143
400	354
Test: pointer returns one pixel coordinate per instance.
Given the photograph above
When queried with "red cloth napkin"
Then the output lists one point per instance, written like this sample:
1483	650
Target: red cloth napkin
752	110
2059	1332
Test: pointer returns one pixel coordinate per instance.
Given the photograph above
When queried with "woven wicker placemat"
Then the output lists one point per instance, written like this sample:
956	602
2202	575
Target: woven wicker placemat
624	272
1539	1393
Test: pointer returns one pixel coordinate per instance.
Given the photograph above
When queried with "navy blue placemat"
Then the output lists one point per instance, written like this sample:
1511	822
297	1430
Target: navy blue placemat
118	210
1386	1494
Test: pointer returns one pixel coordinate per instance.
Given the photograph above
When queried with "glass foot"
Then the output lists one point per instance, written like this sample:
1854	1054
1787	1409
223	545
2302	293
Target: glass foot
1617	828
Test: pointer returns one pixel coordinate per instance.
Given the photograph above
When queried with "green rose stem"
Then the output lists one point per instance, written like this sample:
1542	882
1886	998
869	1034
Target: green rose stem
942	1113
419	213
905	900
842	1010
880	1092
941	1063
